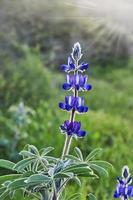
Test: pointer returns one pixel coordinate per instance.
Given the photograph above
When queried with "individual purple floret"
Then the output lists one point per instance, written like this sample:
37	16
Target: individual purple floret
72	128
124	189
76	103
70	65
77	81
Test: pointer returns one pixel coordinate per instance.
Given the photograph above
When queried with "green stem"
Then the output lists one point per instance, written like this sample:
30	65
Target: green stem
66	146
68	139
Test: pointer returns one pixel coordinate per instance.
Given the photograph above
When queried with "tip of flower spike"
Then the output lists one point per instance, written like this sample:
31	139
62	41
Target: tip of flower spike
76	51
125	172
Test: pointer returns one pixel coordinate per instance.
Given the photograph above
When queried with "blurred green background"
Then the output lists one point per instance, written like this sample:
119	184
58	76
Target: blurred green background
36	37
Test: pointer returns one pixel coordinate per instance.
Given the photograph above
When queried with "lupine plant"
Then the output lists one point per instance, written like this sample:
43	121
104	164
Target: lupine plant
39	174
124	189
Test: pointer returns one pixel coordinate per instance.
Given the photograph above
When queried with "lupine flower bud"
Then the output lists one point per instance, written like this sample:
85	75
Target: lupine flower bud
76	52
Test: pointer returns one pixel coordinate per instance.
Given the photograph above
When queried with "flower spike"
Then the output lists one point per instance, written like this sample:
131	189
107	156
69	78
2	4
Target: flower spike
76	82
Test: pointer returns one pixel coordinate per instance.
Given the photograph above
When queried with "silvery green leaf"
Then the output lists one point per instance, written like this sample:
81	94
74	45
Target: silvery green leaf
2	189
102	163
77	180
4	194
79	169
72	157
100	170
9	177
17	184
38	179
25	153
64	175
21	165
33	149
7	164
92	154
45	151
74	196
91	197
78	153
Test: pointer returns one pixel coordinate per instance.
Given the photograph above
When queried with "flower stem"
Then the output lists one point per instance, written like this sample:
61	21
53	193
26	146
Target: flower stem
68	139
66	145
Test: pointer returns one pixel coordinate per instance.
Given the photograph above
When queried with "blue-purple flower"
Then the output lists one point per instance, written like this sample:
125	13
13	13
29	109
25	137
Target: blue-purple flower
76	103
77	81
72	128
124	189
70	66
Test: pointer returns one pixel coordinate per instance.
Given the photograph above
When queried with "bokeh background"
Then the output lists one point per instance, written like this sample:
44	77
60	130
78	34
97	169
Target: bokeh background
36	37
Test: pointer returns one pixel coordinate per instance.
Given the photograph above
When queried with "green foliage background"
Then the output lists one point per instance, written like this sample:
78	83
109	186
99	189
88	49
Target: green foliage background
29	71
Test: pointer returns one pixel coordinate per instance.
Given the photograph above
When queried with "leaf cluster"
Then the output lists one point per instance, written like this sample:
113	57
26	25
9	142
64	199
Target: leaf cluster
45	177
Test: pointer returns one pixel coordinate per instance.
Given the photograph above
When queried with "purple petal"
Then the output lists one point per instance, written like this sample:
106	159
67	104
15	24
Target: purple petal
81	133
82	109
79	101
62	105
77	87
66	86
64	68
77	79
116	195
66	123
83	66
87	87
68	107
76	126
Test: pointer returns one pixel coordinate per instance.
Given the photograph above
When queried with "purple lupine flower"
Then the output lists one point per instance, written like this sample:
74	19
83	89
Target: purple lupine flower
124	189
72	128
76	103
70	65
77	81
83	66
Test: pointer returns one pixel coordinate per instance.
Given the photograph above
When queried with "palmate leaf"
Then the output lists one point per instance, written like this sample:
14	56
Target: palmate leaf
7	164
92	154
91	197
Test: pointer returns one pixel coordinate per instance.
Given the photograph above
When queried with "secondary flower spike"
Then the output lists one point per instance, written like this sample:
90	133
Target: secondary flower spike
76	81
124	189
